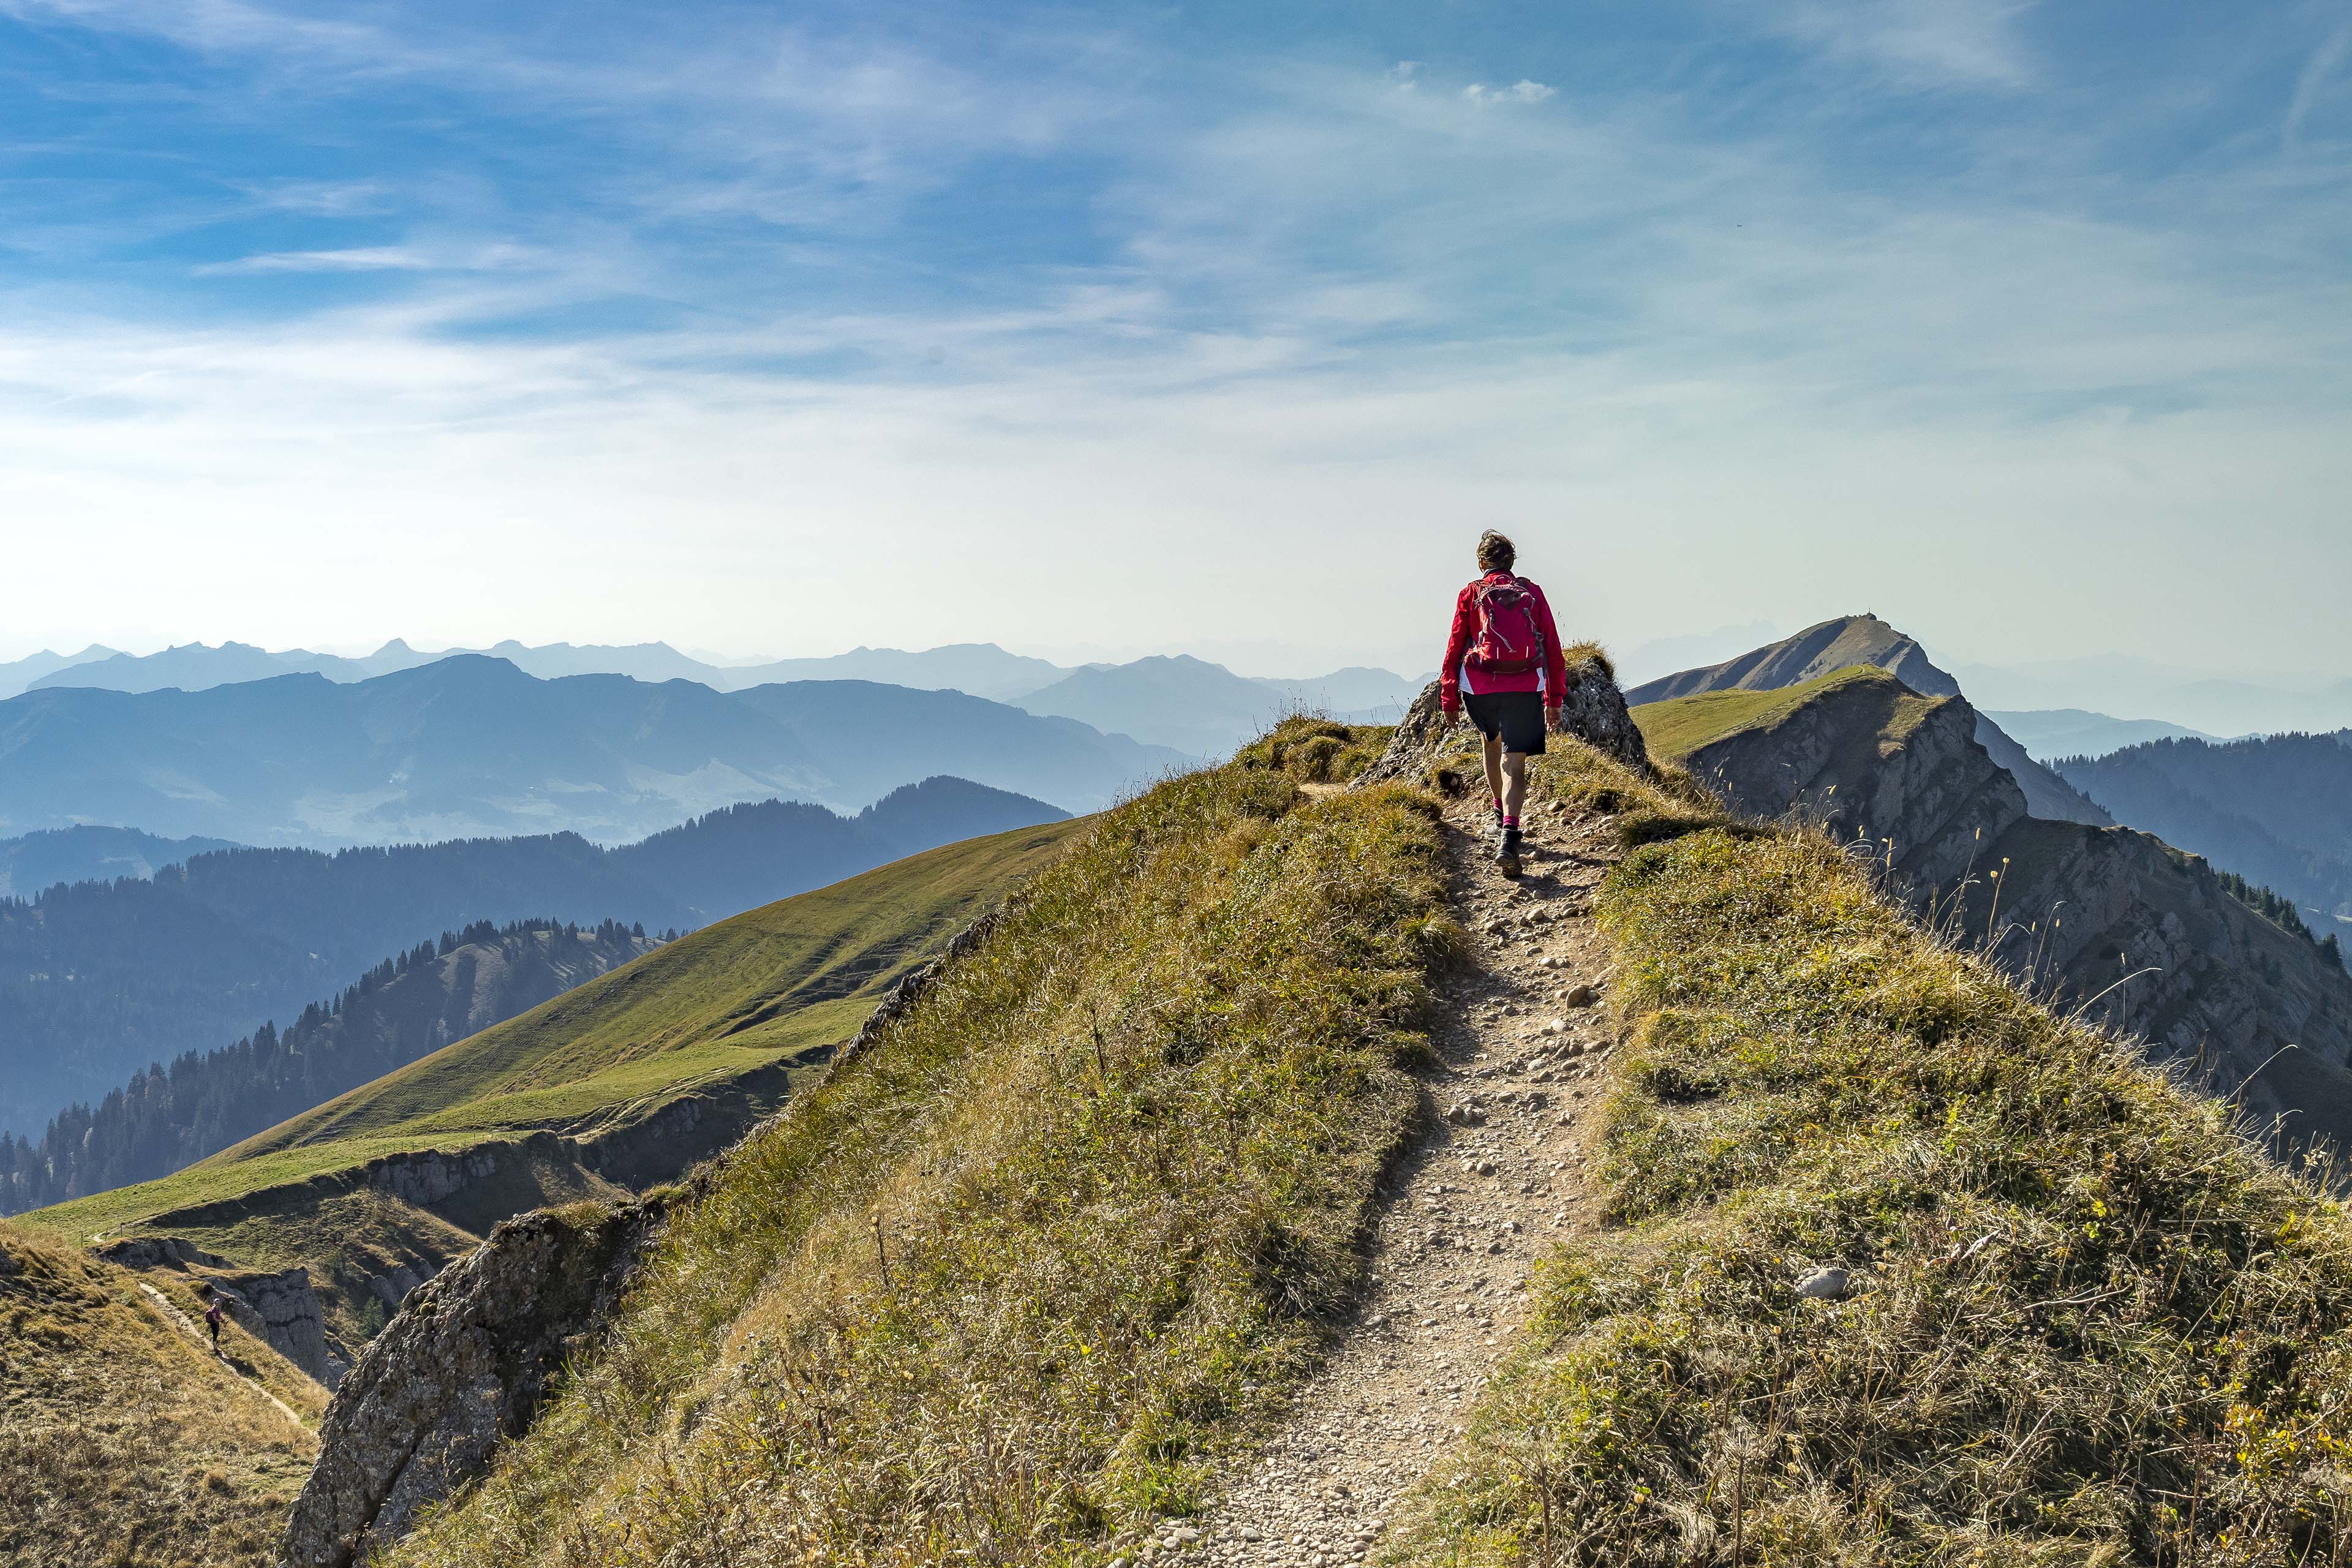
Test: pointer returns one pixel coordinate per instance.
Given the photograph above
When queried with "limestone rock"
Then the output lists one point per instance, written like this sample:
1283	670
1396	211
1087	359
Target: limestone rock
1829	1284
1593	709
457	1372
284	1313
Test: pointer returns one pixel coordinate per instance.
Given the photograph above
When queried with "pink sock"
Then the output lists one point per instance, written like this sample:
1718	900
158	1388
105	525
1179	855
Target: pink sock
1509	821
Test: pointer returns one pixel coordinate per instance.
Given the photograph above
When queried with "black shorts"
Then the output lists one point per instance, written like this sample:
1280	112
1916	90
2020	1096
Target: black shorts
1515	717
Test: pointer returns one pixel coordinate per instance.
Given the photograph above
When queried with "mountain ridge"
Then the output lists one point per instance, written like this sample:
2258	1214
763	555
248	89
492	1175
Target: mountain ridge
474	747
1854	640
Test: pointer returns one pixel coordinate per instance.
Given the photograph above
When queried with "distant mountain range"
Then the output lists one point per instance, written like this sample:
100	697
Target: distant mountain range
100	979
2194	699
39	860
472	746
1189	705
2275	810
1854	641
1206	709
2050	734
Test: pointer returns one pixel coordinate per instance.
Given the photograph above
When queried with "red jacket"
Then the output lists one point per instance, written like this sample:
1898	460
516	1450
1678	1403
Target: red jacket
1465	632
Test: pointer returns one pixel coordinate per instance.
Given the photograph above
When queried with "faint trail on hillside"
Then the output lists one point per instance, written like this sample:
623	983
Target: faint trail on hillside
1468	1208
174	1317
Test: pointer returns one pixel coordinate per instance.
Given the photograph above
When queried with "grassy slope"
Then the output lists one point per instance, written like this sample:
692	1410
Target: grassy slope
122	1441
1675	728
2089	1310
780	981
1004	1283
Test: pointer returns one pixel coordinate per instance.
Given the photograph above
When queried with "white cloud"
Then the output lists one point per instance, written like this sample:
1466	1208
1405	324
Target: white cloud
1518	93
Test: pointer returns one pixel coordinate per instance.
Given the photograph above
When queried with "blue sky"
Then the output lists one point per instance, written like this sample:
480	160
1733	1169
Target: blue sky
781	329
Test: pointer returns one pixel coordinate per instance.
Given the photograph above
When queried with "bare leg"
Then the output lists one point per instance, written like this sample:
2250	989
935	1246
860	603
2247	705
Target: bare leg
1515	783
1495	768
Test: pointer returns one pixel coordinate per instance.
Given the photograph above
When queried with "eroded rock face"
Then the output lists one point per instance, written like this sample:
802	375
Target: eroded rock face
284	1313
458	1371
1874	762
1591	709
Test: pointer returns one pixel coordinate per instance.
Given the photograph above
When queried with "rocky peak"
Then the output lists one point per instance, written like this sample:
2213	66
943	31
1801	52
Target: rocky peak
459	1370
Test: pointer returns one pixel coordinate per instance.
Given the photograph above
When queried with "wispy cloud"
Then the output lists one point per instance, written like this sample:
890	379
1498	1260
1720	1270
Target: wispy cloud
368	259
1918	43
2315	73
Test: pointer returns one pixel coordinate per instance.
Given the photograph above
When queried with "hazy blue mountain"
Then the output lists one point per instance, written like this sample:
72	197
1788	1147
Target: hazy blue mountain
1201	709
1356	692
471	746
2201	700
98	978
982	670
194	667
39	860
2050	734
2274	809
1854	640
15	675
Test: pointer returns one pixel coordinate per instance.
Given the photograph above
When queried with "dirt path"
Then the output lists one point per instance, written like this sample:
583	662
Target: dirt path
174	1317
1502	1176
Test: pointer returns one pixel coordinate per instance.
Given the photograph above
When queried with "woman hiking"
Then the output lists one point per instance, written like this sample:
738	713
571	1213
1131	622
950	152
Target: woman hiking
1505	646
213	1314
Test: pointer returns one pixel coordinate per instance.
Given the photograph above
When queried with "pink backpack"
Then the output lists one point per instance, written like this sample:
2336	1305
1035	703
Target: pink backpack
1510	637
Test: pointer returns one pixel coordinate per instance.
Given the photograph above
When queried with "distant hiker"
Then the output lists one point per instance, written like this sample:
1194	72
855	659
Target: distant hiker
1505	644
213	1315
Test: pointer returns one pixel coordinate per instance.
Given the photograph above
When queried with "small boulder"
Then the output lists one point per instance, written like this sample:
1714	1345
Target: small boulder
1583	996
1826	1284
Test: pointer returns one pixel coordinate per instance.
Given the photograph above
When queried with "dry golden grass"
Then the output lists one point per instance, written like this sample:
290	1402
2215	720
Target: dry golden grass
1008	1283
2091	1323
123	1442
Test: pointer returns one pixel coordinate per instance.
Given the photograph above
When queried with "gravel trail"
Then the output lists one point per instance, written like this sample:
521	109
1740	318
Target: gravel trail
1501	1176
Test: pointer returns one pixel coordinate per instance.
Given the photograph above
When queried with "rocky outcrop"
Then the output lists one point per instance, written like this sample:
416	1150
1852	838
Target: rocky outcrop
145	1252
2139	937
279	1309
461	1370
1591	709
283	1312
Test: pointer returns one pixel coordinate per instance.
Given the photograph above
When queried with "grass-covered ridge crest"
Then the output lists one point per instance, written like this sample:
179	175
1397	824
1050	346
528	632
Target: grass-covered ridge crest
2086	1319
1010	1279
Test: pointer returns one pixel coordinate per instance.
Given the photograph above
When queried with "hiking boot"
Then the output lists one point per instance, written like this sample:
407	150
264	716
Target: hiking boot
1507	857
1494	822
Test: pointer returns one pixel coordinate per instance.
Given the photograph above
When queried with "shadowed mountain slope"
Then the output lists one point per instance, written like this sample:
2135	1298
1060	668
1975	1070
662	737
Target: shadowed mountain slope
2276	809
1857	640
168	1117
